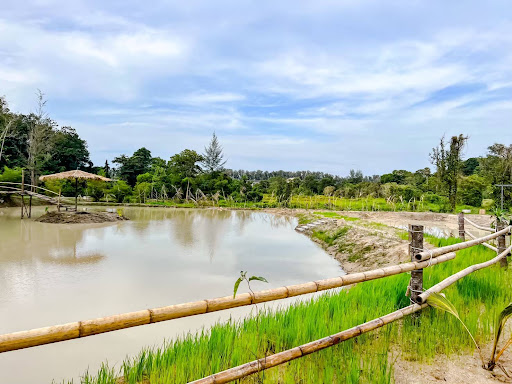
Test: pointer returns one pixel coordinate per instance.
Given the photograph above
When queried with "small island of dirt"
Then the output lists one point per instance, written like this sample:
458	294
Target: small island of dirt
80	217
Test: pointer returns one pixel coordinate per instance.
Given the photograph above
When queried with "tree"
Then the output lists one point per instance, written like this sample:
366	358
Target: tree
106	169
496	168
471	190
470	166
448	164
67	152
7	120
185	164
131	167
38	138
397	176
213	158
120	190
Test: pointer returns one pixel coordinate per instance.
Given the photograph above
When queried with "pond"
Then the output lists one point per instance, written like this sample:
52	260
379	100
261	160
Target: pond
54	273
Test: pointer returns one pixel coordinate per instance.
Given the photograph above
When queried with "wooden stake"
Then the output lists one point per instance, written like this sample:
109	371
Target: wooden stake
461	226
415	246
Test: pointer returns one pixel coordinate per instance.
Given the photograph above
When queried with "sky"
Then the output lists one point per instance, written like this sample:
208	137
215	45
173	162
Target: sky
318	85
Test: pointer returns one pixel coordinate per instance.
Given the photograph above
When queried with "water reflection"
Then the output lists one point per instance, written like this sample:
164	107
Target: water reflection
23	240
52	274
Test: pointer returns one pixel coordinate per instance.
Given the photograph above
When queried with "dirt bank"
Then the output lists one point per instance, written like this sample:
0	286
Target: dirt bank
356	243
80	217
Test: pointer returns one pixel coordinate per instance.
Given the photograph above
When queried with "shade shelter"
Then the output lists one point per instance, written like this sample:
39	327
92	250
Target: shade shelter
74	175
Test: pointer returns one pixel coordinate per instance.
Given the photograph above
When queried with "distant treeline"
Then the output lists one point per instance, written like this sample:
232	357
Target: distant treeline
36	143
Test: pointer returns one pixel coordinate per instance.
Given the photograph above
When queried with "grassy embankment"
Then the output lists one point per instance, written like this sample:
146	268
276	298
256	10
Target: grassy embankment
307	202
366	359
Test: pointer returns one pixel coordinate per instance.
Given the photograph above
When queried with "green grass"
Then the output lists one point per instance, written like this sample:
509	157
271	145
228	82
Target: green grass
334	215
305	202
305	219
478	298
329	237
356	204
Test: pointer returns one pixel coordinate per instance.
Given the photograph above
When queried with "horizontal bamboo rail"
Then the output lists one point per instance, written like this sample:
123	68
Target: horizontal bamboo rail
305	349
491	247
478	226
459	275
57	333
26	185
424	255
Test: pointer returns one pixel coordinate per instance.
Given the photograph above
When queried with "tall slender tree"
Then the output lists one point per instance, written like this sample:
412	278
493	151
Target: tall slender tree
38	138
448	164
213	156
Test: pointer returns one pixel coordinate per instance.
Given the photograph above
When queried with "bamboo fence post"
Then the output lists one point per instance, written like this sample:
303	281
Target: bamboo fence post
415	245
22	191
462	233
501	242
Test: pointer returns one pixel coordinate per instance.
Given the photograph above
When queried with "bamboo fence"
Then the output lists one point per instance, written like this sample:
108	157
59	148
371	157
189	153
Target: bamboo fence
306	349
25	339
424	255
491	247
57	333
478	226
422	298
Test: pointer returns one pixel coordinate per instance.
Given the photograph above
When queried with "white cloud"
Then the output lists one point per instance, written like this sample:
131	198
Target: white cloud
310	85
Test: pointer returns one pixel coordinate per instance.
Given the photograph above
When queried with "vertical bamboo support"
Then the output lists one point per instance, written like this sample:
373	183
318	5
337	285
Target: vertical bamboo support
415	246
501	242
462	232
22	190
30	206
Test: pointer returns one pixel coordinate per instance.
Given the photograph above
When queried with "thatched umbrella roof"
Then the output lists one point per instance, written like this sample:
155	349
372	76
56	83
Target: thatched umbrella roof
76	174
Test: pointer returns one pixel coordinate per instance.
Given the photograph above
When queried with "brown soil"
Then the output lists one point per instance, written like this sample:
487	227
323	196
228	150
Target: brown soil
366	245
460	369
444	221
80	217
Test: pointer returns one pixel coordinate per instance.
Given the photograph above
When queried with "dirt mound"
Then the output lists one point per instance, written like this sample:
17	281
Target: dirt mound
80	217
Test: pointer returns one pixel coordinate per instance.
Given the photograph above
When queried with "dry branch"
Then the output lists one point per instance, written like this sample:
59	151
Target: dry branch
305	349
40	336
459	275
457	247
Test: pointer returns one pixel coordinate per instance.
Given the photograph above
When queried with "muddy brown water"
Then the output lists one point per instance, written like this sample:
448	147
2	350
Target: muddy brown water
55	273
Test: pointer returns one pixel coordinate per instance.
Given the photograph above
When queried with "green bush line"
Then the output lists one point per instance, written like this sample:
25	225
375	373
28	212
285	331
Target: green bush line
367	359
